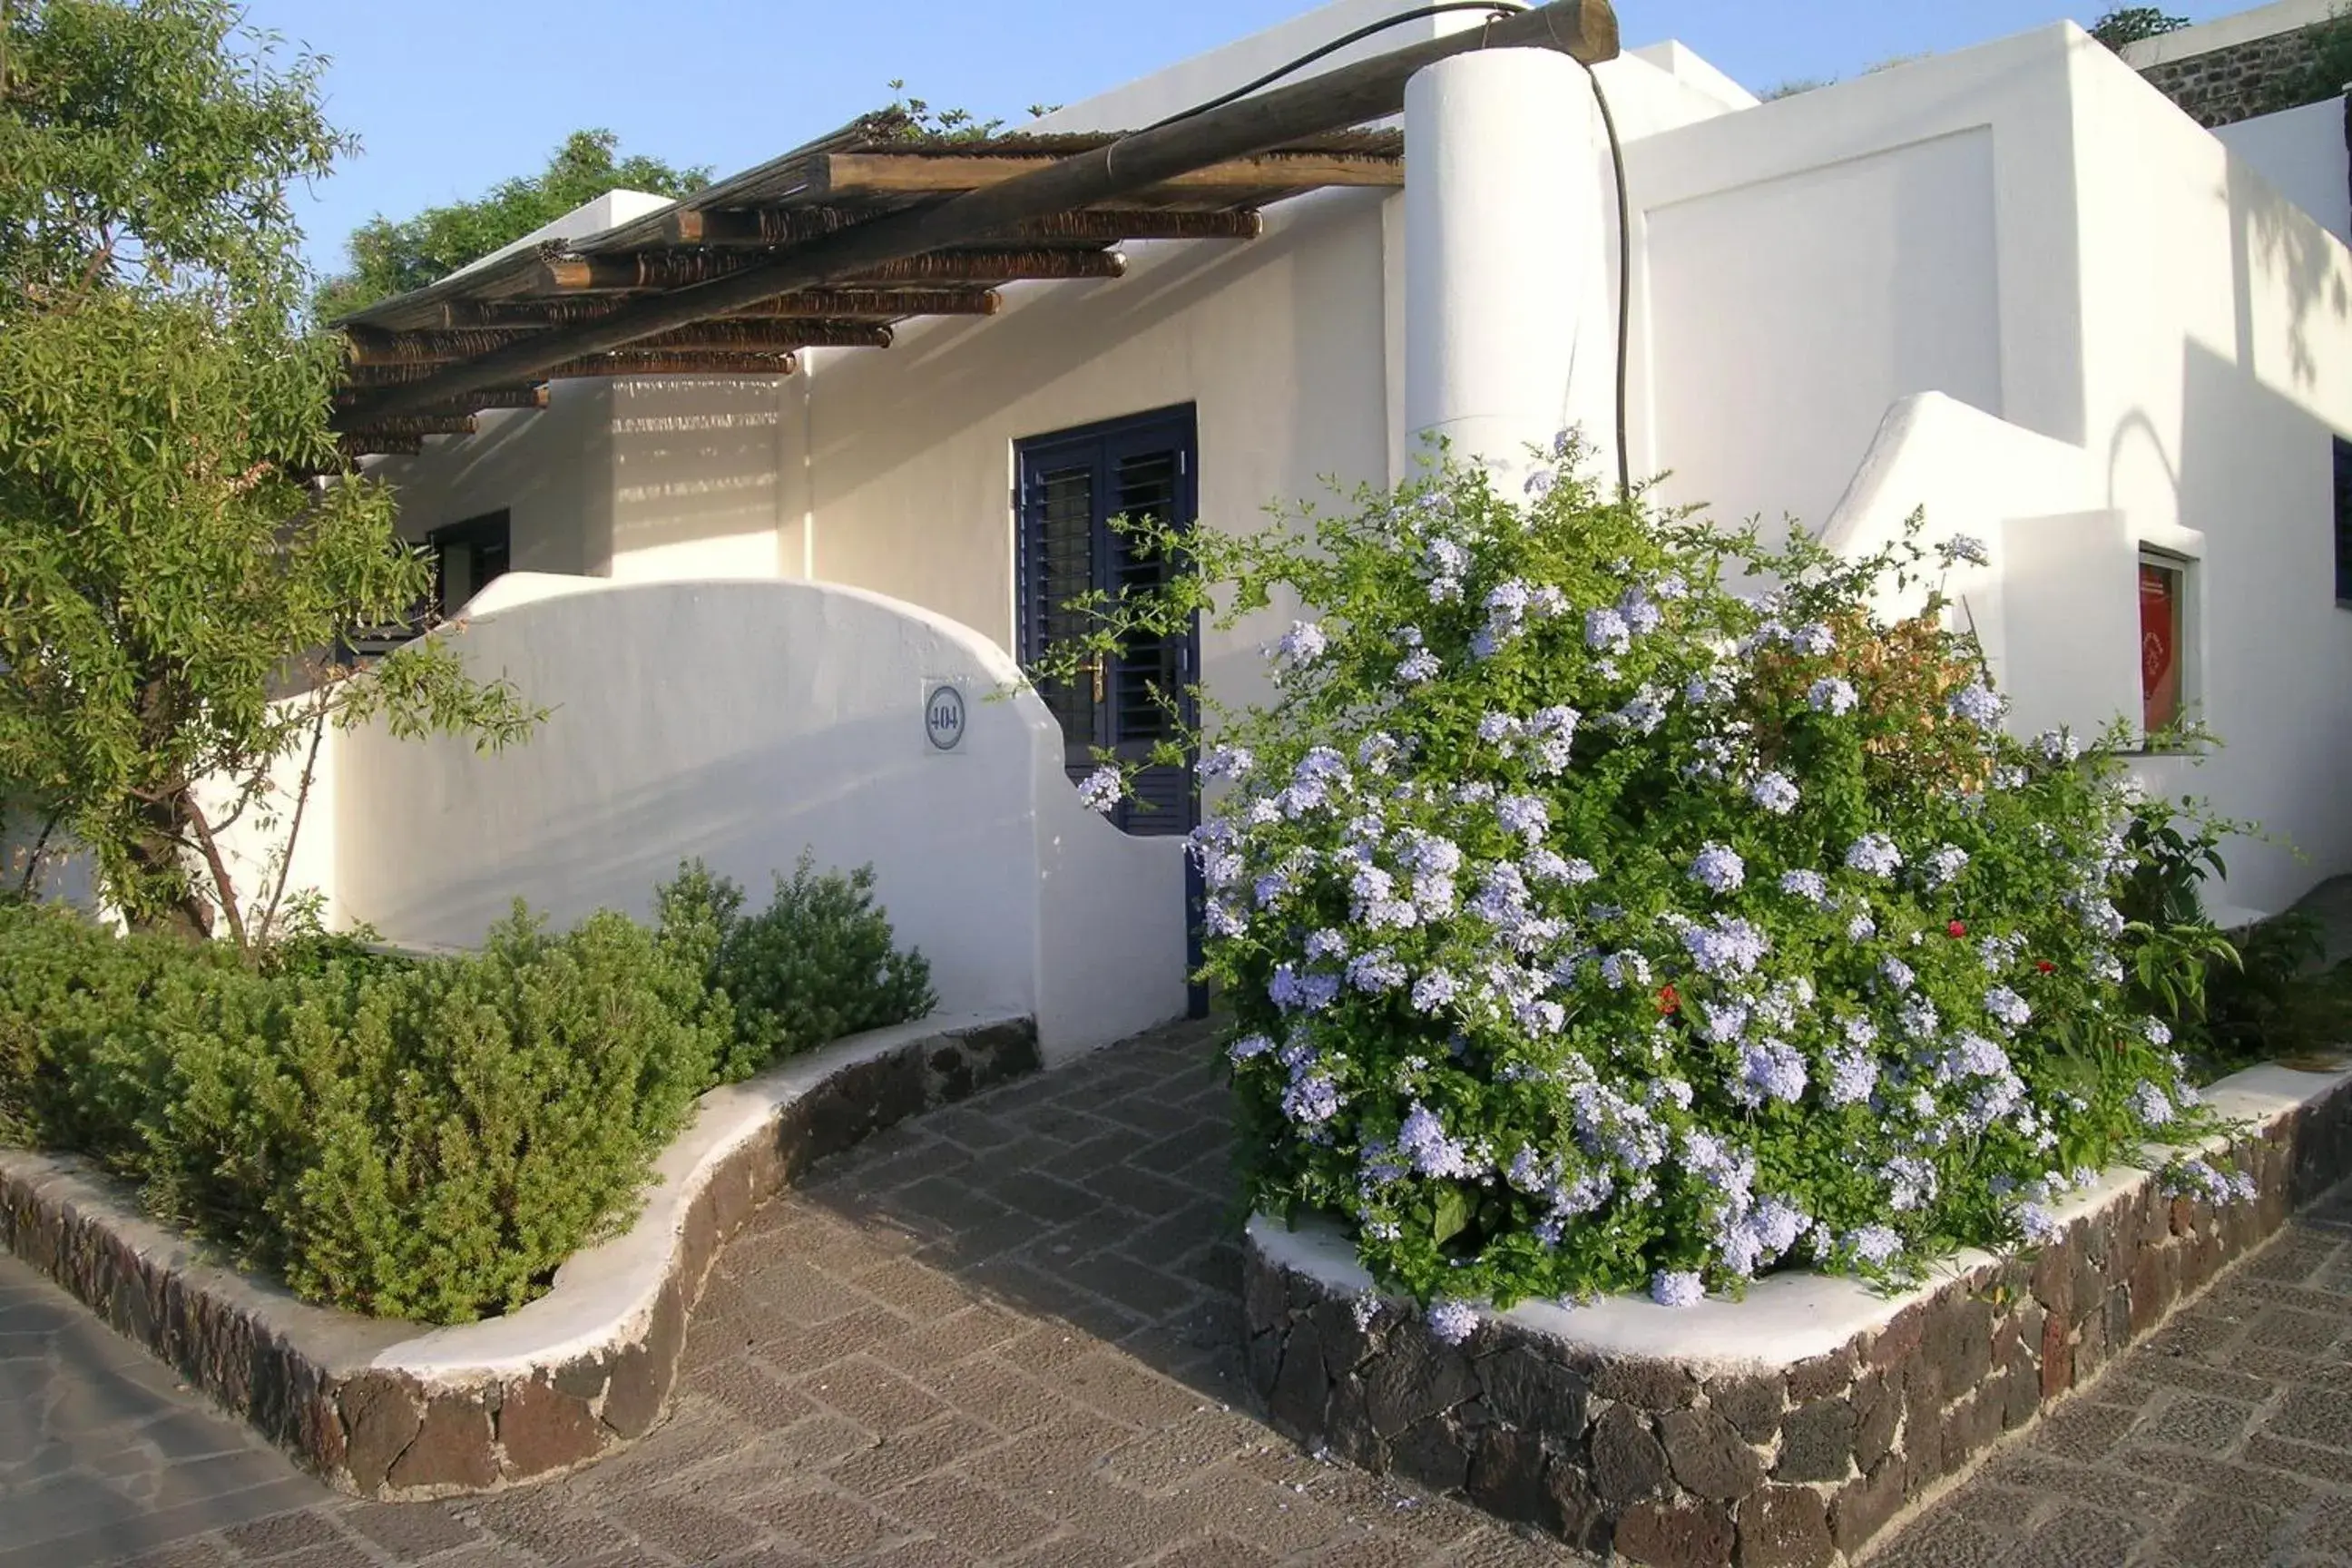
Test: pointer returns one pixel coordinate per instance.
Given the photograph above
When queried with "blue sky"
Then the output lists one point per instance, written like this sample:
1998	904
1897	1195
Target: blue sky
448	97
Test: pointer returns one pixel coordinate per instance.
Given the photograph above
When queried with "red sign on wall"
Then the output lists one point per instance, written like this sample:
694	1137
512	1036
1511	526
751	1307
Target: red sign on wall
2159	645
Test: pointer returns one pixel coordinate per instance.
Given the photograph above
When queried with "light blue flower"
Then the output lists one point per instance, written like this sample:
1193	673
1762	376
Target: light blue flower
1873	855
1525	815
1249	1047
1944	864
1304	643
1718	868
1874	1243
1452	1322
1776	793
1418	668
1810	886
1677	1288
1831	696
1854	1076
1978	703
1103	789
1962	547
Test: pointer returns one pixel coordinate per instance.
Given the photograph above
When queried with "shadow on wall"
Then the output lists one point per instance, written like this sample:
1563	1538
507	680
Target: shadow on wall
1277	340
2257	474
745	722
2271	235
695	460
549	469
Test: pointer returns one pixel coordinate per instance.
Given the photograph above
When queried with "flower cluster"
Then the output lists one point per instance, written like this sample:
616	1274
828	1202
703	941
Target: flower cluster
1590	926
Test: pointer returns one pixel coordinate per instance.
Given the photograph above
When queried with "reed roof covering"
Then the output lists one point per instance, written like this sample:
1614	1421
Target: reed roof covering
869	170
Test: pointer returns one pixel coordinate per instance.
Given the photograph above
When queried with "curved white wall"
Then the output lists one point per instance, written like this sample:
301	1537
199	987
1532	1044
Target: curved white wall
741	722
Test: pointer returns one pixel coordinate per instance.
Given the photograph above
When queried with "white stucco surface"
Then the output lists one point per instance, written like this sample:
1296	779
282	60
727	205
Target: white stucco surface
742	722
1499	289
2302	153
2013	286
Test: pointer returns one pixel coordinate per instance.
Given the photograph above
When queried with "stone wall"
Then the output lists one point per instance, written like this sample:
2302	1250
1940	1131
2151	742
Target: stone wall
1793	1466
2260	76
332	1389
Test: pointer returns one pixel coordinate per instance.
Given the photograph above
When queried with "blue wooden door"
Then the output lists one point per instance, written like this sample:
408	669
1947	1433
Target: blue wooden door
1071	485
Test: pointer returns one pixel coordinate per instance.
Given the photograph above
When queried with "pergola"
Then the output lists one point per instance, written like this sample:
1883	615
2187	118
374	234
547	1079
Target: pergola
833	244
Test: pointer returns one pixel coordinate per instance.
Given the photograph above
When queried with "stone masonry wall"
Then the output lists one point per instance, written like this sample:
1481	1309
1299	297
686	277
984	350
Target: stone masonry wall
381	1432
2260	76
1793	1467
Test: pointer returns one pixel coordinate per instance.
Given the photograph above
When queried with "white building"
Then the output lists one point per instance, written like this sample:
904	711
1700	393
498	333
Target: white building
2014	285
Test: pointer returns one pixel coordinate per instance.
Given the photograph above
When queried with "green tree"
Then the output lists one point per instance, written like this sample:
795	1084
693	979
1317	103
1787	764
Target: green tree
388	258
177	547
2130	24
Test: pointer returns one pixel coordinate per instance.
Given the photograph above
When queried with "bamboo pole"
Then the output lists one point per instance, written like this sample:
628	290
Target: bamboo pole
1350	94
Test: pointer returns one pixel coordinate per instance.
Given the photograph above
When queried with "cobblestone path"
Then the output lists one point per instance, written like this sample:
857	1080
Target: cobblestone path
2225	1438
1005	1333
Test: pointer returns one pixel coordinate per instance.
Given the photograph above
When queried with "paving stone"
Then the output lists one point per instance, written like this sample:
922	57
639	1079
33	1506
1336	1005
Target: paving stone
2193	1421
932	1354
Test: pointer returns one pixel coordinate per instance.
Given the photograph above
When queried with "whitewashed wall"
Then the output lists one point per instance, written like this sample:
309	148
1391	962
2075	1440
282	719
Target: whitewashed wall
2025	229
2301	153
550	469
742	722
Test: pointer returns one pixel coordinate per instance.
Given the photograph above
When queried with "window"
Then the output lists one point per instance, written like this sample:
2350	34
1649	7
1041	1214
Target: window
1070	486
2163	641
468	557
2343	523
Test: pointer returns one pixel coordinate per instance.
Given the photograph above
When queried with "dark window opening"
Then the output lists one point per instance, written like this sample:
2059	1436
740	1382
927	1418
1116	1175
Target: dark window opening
2343	523
1071	485
467	557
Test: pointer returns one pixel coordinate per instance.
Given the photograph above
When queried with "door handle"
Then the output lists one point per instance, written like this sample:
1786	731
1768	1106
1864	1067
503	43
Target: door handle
1095	665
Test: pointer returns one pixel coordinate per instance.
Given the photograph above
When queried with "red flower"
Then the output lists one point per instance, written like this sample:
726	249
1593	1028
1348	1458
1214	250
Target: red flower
1957	929
2044	966
1669	999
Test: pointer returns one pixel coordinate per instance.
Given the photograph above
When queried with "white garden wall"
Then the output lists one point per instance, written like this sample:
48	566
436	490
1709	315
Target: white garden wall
2012	285
742	722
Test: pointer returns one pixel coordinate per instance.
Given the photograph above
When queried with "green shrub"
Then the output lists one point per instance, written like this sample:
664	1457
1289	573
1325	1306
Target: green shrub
423	1140
1590	925
818	964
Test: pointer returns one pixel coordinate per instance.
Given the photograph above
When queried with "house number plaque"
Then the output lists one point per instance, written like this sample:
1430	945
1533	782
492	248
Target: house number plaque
943	718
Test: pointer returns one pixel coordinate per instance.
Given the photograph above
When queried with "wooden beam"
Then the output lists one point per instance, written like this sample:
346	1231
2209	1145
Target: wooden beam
773	336
847	304
629	364
886	304
850	176
1144	222
406	424
993	266
366	446
1351	95
757	226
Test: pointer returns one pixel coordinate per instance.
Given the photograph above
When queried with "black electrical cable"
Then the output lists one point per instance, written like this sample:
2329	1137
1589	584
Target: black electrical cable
1616	162
1418	13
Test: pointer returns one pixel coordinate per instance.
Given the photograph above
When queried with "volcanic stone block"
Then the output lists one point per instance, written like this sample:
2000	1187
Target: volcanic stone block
1785	1526
1817	1442
1628	1464
1708	1455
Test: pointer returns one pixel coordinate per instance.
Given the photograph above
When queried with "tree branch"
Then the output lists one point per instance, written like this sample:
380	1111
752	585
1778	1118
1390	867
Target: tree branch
267	925
224	885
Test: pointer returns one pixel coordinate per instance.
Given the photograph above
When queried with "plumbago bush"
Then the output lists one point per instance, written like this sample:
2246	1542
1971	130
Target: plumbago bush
1590	926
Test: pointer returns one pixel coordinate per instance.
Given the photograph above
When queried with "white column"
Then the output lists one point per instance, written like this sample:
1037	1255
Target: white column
1510	234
